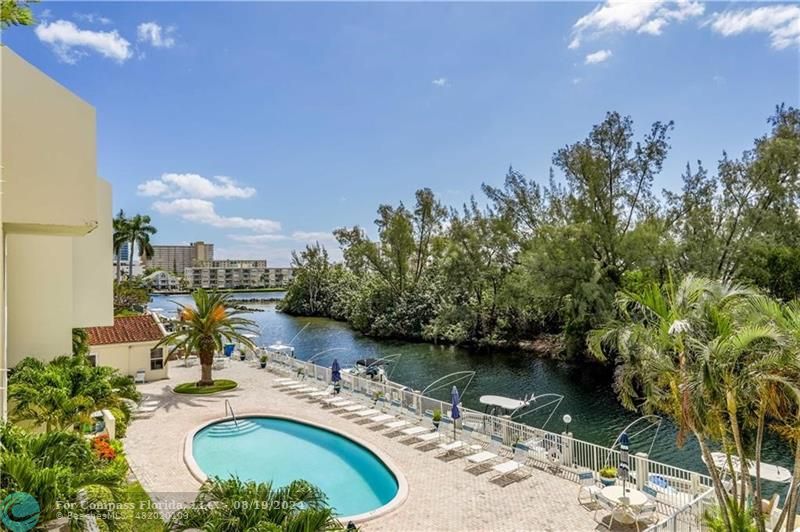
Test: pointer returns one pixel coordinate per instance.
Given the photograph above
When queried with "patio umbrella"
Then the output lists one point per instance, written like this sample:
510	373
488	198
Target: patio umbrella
336	376
624	467
454	412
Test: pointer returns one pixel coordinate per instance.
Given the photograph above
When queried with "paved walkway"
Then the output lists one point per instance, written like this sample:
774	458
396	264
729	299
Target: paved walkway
442	496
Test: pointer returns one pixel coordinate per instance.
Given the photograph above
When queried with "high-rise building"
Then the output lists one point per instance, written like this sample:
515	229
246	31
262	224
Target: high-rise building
176	259
124	252
227	274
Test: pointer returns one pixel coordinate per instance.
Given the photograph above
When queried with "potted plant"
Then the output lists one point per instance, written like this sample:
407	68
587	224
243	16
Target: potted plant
376	396
263	360
608	475
437	417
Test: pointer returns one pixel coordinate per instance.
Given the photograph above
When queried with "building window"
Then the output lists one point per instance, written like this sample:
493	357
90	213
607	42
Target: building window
157	358
92	359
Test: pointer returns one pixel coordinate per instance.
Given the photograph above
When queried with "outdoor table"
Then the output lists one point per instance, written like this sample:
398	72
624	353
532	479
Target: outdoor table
631	497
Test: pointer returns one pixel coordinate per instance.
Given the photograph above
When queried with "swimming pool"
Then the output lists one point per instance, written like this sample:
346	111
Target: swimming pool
280	450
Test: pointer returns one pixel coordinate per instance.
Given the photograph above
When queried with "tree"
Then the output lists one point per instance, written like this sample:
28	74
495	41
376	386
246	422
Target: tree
63	393
130	296
135	231
16	13
694	352
204	328
58	469
120	240
80	342
231	505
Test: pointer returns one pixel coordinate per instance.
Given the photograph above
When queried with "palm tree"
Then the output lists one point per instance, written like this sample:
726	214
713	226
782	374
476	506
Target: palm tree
64	393
222	505
205	327
783	401
120	239
137	232
668	341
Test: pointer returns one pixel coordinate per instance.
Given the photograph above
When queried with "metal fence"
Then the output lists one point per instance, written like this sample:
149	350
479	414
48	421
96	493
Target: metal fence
681	494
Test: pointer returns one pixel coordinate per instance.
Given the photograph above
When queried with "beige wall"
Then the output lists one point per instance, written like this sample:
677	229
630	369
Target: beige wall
39	296
128	358
92	279
48	153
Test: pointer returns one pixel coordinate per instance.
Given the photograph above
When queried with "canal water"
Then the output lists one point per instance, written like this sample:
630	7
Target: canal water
597	417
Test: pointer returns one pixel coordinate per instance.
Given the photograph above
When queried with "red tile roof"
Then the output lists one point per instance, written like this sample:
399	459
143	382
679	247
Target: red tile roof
126	330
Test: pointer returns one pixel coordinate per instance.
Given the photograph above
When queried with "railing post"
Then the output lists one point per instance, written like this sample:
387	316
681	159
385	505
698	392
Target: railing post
568	443
642	470
695	482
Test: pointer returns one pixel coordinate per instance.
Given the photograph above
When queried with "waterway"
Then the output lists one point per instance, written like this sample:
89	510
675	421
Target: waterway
597	416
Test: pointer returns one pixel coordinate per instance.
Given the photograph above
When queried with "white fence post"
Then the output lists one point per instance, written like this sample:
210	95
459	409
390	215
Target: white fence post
642	473
569	443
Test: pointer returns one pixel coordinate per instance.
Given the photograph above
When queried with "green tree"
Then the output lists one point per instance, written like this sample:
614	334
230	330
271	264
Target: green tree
16	13
130	296
136	231
231	505
120	240
204	328
63	393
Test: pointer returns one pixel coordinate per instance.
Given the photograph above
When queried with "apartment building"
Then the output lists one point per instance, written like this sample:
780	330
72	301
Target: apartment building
175	259
56	230
229	274
279	277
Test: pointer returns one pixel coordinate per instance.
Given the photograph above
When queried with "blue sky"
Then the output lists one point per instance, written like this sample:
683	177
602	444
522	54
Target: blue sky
313	114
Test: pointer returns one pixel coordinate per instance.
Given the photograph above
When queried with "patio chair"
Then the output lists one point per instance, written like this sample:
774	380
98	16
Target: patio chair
318	395
139	378
605	505
514	470
590	488
646	513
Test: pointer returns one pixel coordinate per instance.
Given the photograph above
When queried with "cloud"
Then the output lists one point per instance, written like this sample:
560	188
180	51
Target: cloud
598	57
440	82
300	236
153	34
171	185
781	22
650	17
70	43
92	18
203	212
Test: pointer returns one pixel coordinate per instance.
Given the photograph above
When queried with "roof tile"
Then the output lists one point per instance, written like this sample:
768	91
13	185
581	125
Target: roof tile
126	330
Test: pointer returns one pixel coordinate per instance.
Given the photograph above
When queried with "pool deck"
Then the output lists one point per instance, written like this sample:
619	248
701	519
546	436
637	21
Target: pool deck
441	496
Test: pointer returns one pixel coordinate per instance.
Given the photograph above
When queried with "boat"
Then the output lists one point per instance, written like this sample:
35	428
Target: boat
281	349
770	472
372	368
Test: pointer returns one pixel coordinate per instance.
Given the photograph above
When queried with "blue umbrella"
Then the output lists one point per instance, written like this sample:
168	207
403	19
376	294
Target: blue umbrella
454	412
335	375
624	467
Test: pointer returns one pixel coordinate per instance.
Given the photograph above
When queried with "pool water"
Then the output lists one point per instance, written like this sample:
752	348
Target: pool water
278	450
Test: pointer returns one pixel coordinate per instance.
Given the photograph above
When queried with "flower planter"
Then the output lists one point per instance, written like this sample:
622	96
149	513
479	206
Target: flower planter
608	481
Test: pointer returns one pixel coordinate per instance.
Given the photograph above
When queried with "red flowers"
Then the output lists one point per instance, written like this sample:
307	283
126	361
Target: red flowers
103	449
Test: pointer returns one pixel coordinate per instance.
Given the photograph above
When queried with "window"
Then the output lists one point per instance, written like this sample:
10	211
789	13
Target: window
92	359
157	358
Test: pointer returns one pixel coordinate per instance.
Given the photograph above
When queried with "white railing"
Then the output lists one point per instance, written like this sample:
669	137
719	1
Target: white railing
680	492
689	518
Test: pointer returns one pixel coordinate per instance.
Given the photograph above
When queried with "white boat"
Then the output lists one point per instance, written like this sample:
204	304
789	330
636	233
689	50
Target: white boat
371	368
769	472
281	349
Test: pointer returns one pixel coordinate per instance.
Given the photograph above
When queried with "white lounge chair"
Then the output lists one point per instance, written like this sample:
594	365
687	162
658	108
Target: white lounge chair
368	412
478	462
140	377
381	418
513	470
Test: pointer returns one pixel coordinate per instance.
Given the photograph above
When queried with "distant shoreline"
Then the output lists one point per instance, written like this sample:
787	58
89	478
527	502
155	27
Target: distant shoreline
228	290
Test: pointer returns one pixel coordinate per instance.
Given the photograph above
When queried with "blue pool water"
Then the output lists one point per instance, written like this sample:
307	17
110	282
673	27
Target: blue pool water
268	449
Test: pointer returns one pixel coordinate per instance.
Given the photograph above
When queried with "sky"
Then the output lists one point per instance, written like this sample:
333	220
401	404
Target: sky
261	126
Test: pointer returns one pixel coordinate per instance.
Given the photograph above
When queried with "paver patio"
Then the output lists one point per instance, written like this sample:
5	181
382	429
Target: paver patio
442	496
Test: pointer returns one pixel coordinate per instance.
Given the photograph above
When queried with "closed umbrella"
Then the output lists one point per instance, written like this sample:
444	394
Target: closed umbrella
454	412
624	467
336	376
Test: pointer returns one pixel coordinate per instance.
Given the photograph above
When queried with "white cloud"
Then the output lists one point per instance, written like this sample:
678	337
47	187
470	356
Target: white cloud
171	185
598	57
92	18
203	212
154	34
71	43
300	236
649	17
440	82
781	22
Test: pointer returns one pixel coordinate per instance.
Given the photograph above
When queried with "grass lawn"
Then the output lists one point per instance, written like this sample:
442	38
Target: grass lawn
220	385
145	517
